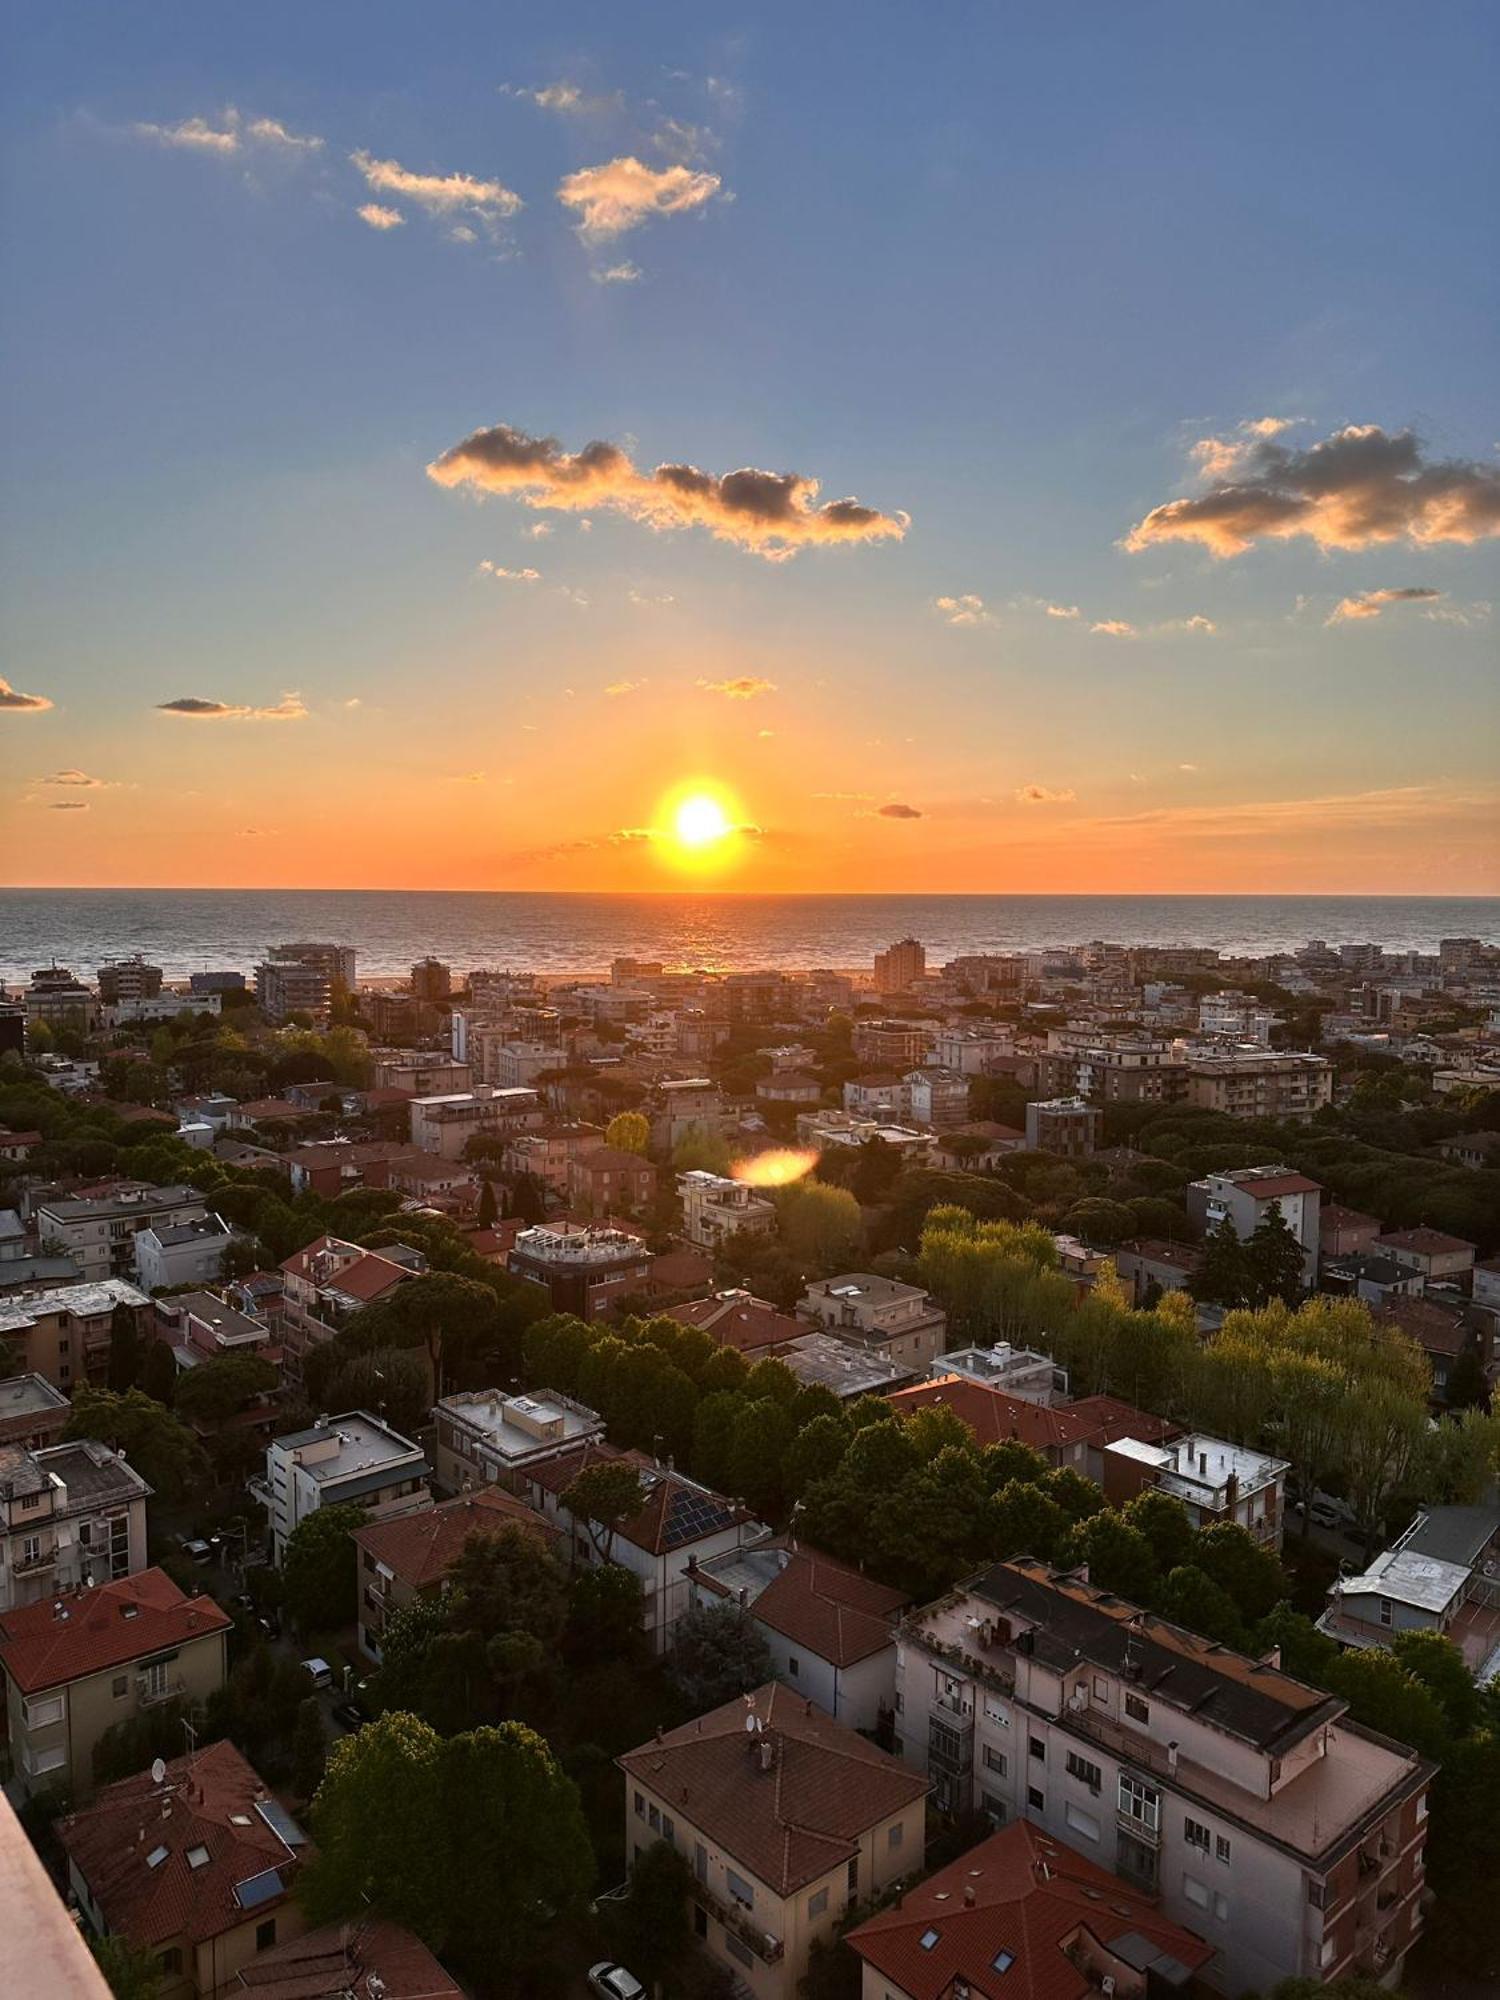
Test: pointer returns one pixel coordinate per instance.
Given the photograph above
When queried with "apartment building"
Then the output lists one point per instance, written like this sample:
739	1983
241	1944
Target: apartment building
1247	1195
284	987
901	1323
99	1232
352	1457
1016	1371
902	965
1442	1574
445	1124
1129	1069
785	1818
327	1281
607	1180
79	1662
1153	1260
681	1104
995	1417
971	1050
1068	1126
409	1556
1236	1016
1438	1259
714	1208
181	1253
583	1269
878	1095
897	1045
485	1436
70	1514
1246	1803
1345	1232
936	1097
547	1153
32	1413
1217	1482
128	979
1259	1083
63	1333
196	1870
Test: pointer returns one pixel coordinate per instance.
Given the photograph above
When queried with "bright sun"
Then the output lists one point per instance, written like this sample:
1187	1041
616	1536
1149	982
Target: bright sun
700	820
700	827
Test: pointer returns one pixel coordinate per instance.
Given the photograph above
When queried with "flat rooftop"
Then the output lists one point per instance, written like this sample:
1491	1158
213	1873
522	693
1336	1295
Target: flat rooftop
824	1359
1196	1461
77	1209
517	1426
1424	1583
29	1396
364	1443
83	1301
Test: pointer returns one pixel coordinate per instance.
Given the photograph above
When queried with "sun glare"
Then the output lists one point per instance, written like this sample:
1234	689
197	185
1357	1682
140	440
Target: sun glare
700	827
700	820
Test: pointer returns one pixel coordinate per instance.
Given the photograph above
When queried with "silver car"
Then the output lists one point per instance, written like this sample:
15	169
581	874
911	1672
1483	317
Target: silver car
613	1982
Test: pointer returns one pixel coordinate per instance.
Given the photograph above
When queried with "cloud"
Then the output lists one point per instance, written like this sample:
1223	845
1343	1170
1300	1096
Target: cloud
618	274
895	811
68	805
624	687
1197	623
21	704
1115	628
74	780
967	610
1359	487
446	196
1044	795
1371	603
621	194
1187	767
537	531
271	132
1217	458
1061	610
233	134
773	514
554	96
380	217
1465	615
289	709
566	98
646	597
504	575
745	687
860	797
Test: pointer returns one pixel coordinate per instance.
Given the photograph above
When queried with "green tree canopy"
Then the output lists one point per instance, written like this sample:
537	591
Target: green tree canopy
319	1569
160	1447
217	1388
717	1653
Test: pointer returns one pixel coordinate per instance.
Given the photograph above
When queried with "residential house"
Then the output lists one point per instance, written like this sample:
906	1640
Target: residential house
1216	1481
197	1871
409	1555
547	1153
877	1095
1068	1126
1244	1802
352	1457
370	1960
32	1412
1444	1331
1344	1232
1439	1259
680	1104
1152	1260
484	1436
977	1147
1018	1371
583	1269
901	1322
1247	1195
714	1208
936	1097
1028	1917
323	1284
71	1515
330	1167
607	1180
788	1087
77	1663
827	1361
1112	1418
997	1418
63	1333
99	1232
739	1320
444	1124
830	1628
1442	1574
1374	1279
181	1253
786	1819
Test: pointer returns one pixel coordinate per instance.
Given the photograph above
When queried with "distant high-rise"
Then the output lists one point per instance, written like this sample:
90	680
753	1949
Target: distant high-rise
900	967
431	979
337	961
129	979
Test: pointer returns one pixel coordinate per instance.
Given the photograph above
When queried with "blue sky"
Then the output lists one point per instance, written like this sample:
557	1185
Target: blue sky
994	268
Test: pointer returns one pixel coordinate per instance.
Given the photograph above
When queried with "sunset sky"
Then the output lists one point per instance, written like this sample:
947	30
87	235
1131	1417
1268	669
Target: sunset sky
373	376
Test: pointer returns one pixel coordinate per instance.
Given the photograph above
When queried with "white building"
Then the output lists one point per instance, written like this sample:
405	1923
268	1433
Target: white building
484	1436
1441	1575
445	1124
714	1208
1216	1481
183	1253
1019	1371
99	1235
1245	1196
71	1514
353	1457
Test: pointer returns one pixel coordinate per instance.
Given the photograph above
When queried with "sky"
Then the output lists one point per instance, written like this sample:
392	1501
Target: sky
980	447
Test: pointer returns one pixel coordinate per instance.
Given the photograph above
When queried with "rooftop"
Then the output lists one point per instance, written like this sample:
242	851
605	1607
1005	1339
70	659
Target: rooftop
1454	1534
361	1443
1424	1243
993	1416
1196	1461
825	1360
865	1288
370	1960
737	1319
29	1396
677	1510
1425	1583
516	1427
788	1796
577	1243
1268	1182
80	1209
89	1631
220	1319
192	1231
419	1549
82	1301
817	1602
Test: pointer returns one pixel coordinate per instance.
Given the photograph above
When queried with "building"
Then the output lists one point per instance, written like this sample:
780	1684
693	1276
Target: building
607	1180
327	1281
1344	1232
159	1007
1018	1371
76	1664
679	1524
1069	1126
201	1326
714	1208
370	1960
822	1130
994	1417
788	1086
785	1818
99	1232
216	982
896	1045
71	1515
900	966
63	1333
682	1104
830	1629
485	1436
1436	1258
977	1147
284	987
32	1412
445	1124
900	1322
1123	1069
878	1095
1216	1481
1234	1016
422	1075
182	1253
128	979
353	1457
739	1320
197	1871
971	1050
1259	1083
1244	1802
55	999
1247	1195
1441	1575
826	1361
936	1097
431	979
547	1152
1024	1915
583	1269
338	962
409	1555
1374	1280
1152	1260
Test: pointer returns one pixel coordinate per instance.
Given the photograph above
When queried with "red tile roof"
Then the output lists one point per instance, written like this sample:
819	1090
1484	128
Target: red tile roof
339	1962
1274	1185
1023	1901
421	1548
1160	1250
100	1629
824	1606
1423	1242
677	1512
1114	1419
737	1321
993	1416
208	1811
789	1823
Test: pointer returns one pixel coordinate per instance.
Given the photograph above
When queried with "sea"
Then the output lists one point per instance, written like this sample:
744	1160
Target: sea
190	930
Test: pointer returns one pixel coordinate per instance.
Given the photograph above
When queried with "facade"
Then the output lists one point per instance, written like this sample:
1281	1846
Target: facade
445	1124
32	1413
75	1665
99	1235
1216	1482
831	1629
198	1872
1123	1069
971	1050
608	1181
1247	1195
714	1208
902	965
1260	1083
1234	1016
409	1555
1244	1802
284	987
323	1284
900	1322
1436	1258
1345	1232
128	979
1150	1260
71	1515
994	1417
936	1097
431	979
1069	1126
1018	1371
547	1153
353	1457
1441	1575
896	1045
63	1333
485	1436
182	1253
584	1270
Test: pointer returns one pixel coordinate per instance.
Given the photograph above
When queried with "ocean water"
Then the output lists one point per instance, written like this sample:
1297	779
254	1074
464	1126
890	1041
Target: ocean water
185	930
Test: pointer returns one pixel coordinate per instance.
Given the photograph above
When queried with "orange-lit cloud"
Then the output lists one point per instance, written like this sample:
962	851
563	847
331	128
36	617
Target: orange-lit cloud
442	195
772	514
1371	603
967	610
1114	628
73	780
1061	610
897	811
1044	795
621	194
744	687
233	134
14	702
504	575
197	708
1359	487
378	216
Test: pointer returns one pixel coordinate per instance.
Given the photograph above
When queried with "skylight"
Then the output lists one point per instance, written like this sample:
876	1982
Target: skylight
156	1857
197	1857
1003	1961
928	1939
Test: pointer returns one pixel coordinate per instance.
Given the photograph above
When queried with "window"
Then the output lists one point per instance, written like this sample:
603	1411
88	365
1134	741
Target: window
197	1857
900	1702
929	1938
792	1664
1317	1896
668	1830
1386	1611
1329	1952
30	1500
944	1742
1221	1848
853	1876
739	1888
640	1806
1038	1749
42	1713
1139	1802
993	1808
996	1711
700	1921
120	1686
265	1934
653	1819
1196	1834
1085	1772
738	1949
1003	1961
154	1678
1035	1800
895	1835
1101	1688
817	1904
700	1861
1081	1822
994	1760
1221	1906
1136	1709
1195	1892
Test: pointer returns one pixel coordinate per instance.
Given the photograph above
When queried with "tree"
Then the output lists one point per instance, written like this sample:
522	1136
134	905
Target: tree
652	1923
603	1496
1438	1664
605	1613
820	1225
384	1831
1387	1697
1119	1557
507	1589
1309	1402
163	1450
1248	1574
309	1748
487	1213
1190	1597
1468	1386
125	1348
1275	1260
700	1148
1381	1431
1164	1523
159	1373
629	1132
717	1653
1220	1276
217	1388
131	1973
319	1569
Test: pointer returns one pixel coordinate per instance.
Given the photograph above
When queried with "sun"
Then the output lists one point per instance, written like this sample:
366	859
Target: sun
700	827
700	820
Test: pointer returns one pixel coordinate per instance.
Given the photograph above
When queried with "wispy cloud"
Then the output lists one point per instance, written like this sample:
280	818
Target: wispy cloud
1197	624
897	811
1114	628
1359	487
1044	795
772	514
13	701
74	780
1061	610
568	99
68	805
447	197
621	194
504	575
199	708
745	687
1373	603
618	688
232	133
967	610
378	216
618	274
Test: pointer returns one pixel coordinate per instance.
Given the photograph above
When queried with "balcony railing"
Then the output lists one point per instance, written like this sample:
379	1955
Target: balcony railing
734	1918
29	1565
150	1694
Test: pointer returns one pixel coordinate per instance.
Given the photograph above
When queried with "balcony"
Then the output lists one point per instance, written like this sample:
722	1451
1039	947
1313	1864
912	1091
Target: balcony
44	1559
151	1694
735	1918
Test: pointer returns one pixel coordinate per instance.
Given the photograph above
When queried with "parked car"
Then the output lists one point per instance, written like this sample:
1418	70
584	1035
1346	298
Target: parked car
349	1716
197	1551
1328	1512
613	1982
322	1673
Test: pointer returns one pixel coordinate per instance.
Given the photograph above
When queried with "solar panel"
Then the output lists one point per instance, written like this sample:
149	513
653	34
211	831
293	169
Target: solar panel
258	1889
281	1823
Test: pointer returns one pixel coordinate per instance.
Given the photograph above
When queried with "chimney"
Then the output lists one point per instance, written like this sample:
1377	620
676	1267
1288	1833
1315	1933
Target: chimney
1172	1760
1203	1461
968	1895
765	1751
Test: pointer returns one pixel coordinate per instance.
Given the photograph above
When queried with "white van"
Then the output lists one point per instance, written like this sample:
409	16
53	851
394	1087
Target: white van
322	1673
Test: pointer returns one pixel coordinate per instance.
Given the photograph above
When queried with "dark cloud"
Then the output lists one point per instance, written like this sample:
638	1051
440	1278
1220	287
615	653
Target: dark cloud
1360	486
774	514
1370	603
289	709
23	704
898	812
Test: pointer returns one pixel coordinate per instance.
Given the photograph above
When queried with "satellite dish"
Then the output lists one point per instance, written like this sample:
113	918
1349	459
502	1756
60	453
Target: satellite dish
749	1725
158	1771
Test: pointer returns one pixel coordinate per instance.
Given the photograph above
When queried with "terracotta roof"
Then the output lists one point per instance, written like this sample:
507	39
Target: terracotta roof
103	1628
367	1277
613	1160
677	1270
1160	1250
737	1321
1424	1242
421	1548
338	1962
823	1605
677	1512
1114	1418
279	1109
795	1821
1249	1180
1003	1917
206	1815
993	1416
1438	1328
1334	1216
